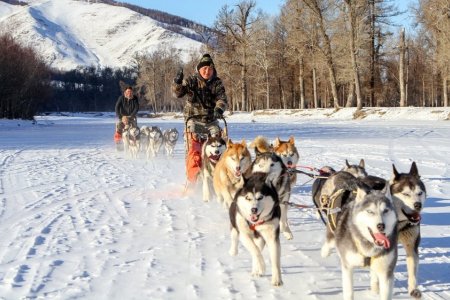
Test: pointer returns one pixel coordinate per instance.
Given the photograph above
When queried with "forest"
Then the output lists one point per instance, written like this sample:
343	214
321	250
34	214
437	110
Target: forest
313	54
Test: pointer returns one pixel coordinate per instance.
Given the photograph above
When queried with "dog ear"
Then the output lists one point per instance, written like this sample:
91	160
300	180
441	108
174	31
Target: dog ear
244	143
347	164
276	143
395	173
229	143
291	140
361	191
361	163
257	152
414	171
387	191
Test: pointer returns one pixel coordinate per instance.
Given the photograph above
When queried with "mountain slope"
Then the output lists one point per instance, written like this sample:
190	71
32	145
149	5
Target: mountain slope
71	33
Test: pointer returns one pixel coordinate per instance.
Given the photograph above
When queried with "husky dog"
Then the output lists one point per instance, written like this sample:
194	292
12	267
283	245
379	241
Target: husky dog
143	138
170	138
155	141
212	150
289	154
409	194
366	235
255	218
317	186
228	174
131	141
356	170
270	164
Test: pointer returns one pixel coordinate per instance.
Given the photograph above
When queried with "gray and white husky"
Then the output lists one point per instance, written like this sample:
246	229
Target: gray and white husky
269	163
366	236
409	194
131	141
170	138
212	150
255	218
356	170
155	141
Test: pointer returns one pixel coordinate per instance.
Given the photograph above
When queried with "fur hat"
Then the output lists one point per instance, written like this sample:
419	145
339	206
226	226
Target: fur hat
205	61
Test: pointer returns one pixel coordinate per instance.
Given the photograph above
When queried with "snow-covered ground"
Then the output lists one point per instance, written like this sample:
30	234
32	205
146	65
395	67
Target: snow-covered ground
80	221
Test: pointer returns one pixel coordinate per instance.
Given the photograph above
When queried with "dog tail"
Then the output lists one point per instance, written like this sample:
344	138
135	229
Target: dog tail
261	144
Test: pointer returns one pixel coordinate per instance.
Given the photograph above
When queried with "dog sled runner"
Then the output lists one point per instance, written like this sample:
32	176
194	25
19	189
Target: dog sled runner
195	135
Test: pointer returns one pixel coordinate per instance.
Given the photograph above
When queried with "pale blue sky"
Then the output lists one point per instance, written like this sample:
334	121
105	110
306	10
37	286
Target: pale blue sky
202	11
205	11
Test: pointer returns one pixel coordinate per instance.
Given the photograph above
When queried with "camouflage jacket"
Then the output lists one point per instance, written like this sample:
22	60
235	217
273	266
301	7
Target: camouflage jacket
202	96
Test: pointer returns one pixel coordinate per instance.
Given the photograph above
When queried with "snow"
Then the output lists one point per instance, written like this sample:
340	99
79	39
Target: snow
68	33
81	221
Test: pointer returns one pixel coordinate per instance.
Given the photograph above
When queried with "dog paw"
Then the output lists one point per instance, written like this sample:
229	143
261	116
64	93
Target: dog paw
415	293
276	281
375	288
233	252
288	235
325	251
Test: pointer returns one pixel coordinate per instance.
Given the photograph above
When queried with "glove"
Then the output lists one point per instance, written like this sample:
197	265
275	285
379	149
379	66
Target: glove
218	113
179	77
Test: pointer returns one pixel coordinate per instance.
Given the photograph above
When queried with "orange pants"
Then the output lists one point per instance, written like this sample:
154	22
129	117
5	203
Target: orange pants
193	158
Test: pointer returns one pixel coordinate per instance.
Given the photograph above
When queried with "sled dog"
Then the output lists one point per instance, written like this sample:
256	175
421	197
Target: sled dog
228	174
170	138
131	141
409	194
255	217
143	138
366	236
155	141
289	154
272	166
356	170
324	173
212	150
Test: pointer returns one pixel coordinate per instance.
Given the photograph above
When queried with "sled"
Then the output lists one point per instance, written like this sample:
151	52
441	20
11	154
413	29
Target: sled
193	143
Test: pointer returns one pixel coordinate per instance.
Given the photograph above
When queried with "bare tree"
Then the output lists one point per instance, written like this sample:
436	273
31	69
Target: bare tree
238	24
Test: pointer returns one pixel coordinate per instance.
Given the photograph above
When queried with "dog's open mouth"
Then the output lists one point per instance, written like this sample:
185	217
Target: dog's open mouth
214	157
413	217
254	218
380	239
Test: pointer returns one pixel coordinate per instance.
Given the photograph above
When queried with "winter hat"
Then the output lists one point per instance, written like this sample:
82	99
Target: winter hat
205	61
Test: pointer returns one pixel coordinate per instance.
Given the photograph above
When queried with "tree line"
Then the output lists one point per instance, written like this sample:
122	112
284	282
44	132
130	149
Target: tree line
314	54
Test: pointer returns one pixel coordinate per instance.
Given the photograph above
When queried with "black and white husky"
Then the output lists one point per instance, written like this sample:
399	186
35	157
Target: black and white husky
212	150
255	218
131	141
269	163
366	236
170	138
409	194
154	141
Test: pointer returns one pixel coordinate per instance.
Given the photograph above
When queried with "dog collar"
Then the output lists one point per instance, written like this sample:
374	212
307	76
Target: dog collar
253	225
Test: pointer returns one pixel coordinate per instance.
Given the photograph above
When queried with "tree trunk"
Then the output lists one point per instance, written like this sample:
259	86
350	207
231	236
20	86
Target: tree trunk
301	83
401	77
444	90
351	96
315	88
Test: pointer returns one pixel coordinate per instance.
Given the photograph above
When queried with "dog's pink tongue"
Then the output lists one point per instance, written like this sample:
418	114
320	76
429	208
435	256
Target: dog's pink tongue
416	217
382	240
254	218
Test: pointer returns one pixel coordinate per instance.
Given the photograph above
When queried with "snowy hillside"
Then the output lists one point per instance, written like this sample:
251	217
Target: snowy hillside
69	33
81	221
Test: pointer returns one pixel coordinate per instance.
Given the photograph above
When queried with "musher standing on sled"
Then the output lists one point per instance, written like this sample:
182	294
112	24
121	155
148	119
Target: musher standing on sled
206	101
127	106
